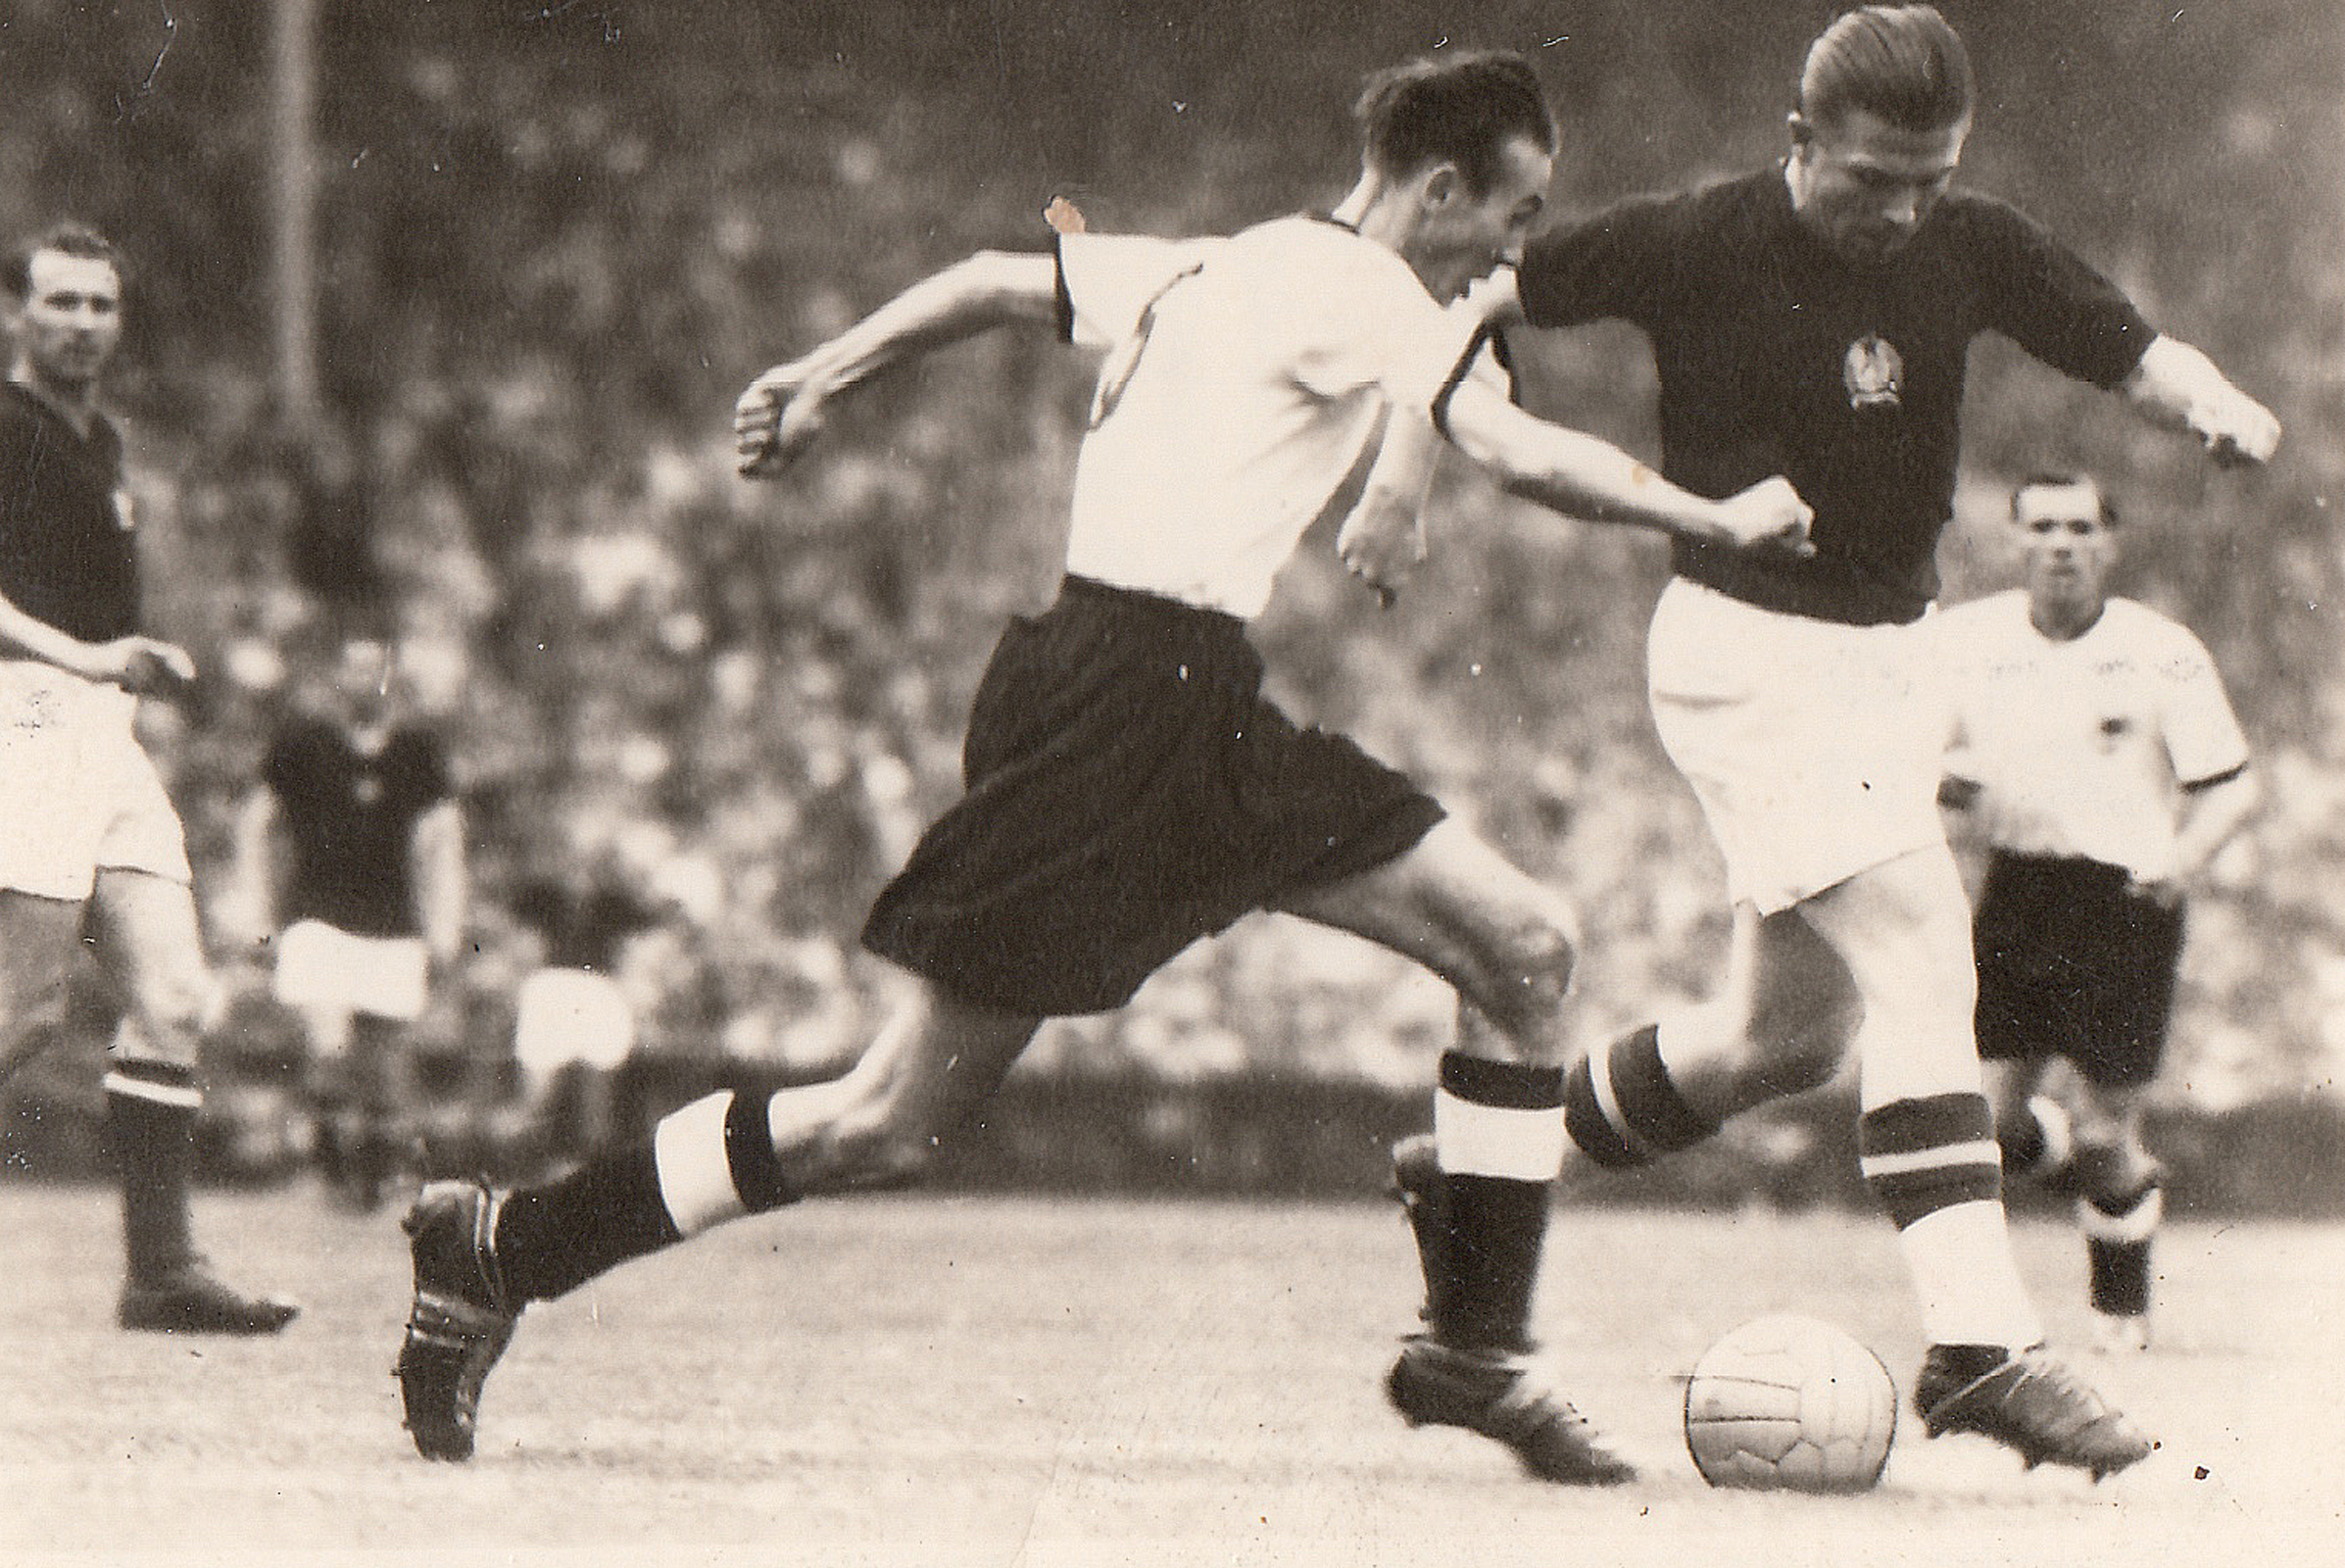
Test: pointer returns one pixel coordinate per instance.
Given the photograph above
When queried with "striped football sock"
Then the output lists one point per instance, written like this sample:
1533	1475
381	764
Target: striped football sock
1622	1107
1934	1164
710	1162
1499	1139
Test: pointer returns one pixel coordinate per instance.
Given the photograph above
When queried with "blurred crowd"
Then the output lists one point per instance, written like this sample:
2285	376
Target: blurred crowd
554	252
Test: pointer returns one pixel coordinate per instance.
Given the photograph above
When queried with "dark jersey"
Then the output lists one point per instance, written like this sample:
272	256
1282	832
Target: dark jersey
66	555
583	928
1776	357
349	816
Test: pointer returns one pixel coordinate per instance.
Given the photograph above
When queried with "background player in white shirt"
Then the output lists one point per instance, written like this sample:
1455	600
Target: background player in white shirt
2101	768
1130	789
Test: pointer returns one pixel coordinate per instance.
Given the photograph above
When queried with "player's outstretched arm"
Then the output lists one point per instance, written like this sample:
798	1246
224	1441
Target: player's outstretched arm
783	410
442	880
2179	387
142	664
1581	476
245	901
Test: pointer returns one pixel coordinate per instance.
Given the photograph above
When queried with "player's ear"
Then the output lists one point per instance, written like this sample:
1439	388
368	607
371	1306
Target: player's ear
1802	131
1442	184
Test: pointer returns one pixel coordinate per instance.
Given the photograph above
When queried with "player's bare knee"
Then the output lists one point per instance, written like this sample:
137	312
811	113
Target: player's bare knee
1525	985
2109	1166
176	1013
1803	1061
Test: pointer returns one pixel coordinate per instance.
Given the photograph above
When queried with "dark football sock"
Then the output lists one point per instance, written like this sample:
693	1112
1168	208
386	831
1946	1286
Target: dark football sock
150	1130
554	1237
710	1162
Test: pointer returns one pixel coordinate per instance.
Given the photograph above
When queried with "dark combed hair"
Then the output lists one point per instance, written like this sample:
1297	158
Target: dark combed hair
2064	479
1457	109
1902	63
67	238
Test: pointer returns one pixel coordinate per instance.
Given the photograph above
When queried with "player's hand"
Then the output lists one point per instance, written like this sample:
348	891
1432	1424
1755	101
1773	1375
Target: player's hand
146	665
1383	544
2236	430
1496	299
1769	515
779	415
2165	892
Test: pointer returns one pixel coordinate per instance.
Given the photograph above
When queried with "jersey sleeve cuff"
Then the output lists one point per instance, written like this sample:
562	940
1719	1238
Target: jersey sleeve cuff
1062	299
2198	785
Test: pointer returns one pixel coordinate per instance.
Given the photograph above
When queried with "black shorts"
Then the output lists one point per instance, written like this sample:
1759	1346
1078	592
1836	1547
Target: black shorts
1130	790
2072	962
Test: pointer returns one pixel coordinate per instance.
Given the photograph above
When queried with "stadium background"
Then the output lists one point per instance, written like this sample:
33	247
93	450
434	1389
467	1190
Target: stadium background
555	241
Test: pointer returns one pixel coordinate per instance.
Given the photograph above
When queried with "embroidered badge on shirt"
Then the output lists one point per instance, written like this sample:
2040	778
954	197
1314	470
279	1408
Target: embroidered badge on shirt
1874	372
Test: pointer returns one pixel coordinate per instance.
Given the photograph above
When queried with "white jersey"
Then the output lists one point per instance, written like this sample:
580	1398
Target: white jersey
1247	389
2085	748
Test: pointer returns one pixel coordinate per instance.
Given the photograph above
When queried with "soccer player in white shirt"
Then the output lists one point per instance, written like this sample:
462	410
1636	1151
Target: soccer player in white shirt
2101	767
1131	788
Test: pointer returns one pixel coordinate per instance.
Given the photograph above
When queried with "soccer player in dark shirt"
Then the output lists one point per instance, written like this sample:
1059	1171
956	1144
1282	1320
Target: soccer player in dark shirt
87	831
1813	321
356	840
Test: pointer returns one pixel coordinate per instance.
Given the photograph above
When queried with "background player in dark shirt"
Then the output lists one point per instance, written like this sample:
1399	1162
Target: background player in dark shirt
1813	321
356	843
87	831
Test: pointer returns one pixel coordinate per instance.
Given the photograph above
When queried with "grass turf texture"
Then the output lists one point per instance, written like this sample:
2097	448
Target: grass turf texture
990	1381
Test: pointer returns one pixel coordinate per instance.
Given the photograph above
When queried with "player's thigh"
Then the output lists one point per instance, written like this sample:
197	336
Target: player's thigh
2106	1114
38	939
1903	931
151	945
1460	909
1791	982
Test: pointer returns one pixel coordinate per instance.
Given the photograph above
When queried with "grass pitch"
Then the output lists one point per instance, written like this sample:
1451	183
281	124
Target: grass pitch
1021	1382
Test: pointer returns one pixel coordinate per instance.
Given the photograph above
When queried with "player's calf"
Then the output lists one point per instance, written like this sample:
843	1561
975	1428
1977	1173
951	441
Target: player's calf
1477	1194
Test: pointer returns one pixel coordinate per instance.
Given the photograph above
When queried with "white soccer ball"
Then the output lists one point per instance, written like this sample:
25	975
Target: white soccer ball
1788	1404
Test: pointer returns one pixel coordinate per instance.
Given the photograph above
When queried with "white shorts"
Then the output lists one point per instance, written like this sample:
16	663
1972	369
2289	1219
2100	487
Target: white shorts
1814	748
77	794
562	1016
324	969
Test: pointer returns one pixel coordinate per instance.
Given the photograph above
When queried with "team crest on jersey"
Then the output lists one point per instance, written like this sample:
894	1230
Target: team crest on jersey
1874	372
